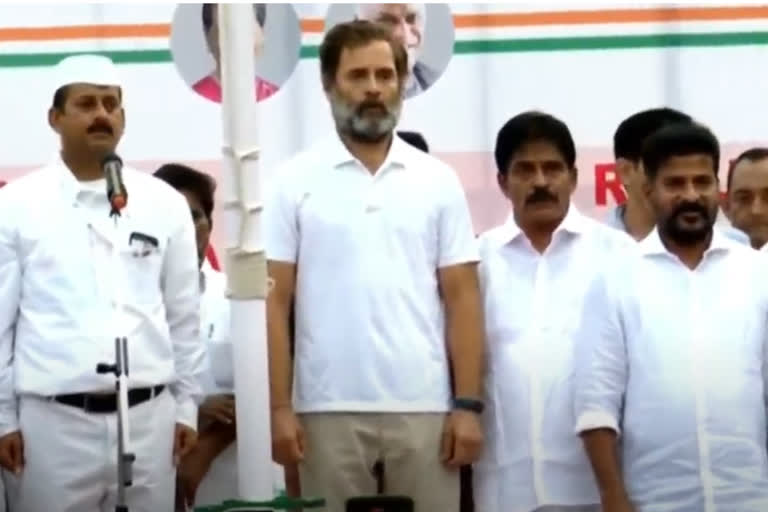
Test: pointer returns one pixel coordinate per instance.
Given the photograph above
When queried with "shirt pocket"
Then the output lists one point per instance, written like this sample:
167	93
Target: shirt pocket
141	276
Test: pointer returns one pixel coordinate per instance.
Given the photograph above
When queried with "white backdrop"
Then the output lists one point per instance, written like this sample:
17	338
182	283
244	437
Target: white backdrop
711	63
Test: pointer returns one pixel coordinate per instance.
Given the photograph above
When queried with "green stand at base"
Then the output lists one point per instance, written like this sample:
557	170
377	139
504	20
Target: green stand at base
279	503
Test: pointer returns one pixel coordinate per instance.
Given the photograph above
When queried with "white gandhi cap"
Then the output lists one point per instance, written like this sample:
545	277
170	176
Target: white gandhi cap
85	69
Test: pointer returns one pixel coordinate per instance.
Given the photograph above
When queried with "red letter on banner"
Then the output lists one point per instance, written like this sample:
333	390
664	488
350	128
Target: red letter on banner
606	180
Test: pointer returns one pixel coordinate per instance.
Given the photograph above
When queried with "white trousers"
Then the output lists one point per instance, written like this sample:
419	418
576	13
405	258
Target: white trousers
3	495
71	458
490	494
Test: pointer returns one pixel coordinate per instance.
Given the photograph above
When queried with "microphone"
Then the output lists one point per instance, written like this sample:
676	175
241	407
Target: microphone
117	196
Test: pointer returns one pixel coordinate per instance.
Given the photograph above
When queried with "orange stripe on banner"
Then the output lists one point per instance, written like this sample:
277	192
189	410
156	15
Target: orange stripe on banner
313	26
610	16
62	33
317	25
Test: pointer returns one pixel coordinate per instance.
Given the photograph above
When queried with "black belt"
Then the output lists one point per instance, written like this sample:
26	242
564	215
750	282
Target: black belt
106	403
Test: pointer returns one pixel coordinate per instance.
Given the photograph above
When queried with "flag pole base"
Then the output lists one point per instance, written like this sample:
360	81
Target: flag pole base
279	503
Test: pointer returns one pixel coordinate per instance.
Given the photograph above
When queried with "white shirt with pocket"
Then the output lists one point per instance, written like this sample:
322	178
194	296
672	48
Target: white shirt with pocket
533	303
675	361
57	274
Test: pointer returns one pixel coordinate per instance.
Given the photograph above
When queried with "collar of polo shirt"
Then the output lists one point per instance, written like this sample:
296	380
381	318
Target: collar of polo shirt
574	223
339	156
653	246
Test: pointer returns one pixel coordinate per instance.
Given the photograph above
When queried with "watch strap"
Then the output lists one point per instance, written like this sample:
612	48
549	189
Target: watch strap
468	404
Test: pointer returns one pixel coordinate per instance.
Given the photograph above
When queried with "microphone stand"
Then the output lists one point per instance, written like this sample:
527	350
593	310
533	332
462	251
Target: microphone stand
125	458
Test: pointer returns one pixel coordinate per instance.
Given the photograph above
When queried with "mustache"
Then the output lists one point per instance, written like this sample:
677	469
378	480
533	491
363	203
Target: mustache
541	195
690	207
100	128
371	104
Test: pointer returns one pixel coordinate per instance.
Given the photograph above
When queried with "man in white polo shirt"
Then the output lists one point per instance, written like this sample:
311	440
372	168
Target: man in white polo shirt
374	240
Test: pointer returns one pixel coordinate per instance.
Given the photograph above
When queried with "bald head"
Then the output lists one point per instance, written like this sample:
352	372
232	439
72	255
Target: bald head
746	204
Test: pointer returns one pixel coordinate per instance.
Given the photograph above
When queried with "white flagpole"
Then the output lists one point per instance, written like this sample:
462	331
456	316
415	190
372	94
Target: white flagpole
245	259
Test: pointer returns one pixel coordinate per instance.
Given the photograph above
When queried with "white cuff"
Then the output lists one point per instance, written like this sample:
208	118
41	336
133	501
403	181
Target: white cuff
186	413
8	427
9	417
592	420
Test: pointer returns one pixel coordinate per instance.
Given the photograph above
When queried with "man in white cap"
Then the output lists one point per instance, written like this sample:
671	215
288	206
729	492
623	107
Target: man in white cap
58	320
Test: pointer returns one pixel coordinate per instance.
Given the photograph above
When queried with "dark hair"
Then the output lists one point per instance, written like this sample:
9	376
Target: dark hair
62	93
207	14
354	34
60	97
530	127
415	139
678	140
629	136
751	155
182	177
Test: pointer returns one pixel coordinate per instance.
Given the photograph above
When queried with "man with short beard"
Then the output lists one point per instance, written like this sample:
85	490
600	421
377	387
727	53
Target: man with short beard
374	240
674	347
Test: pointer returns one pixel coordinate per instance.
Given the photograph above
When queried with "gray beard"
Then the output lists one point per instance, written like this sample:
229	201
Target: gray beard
361	128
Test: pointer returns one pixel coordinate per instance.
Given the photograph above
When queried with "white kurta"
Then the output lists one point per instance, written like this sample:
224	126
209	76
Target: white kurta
220	483
675	360
533	302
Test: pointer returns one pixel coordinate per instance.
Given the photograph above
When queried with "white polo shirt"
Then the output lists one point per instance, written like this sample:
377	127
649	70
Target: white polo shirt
369	318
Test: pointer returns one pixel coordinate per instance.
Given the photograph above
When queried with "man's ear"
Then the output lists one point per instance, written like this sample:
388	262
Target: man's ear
648	188
725	204
53	119
574	179
623	169
501	179
327	88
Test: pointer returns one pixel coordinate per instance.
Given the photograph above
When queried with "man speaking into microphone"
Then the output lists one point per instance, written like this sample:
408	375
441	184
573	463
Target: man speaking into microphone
58	319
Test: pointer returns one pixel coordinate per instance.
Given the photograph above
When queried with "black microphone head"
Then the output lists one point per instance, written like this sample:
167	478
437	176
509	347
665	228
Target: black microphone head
111	158
112	167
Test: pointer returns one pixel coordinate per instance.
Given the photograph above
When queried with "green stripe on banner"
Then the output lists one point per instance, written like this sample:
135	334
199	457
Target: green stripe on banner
23	60
549	44
482	46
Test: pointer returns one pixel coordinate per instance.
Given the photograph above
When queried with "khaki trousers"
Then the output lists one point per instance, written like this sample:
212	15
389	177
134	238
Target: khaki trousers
342	449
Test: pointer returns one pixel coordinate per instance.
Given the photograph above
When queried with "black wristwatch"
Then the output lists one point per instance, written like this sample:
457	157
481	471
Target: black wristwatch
468	404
